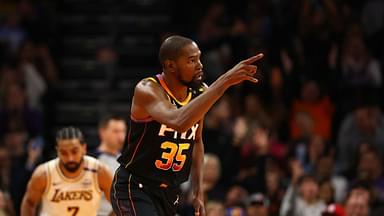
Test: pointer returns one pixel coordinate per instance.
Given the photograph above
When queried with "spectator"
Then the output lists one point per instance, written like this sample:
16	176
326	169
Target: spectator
255	110
358	67
253	162
218	136
278	97
364	125
325	171
12	33
215	208
24	155
17	113
112	132
309	152
6	208
235	197
211	176
305	201
257	205
275	189
357	202
370	169
326	192
314	106
39	71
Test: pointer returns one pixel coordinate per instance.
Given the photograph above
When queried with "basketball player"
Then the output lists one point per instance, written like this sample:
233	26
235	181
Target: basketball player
164	142
112	131
69	185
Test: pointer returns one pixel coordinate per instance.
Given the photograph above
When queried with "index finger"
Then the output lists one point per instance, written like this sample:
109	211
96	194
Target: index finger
253	58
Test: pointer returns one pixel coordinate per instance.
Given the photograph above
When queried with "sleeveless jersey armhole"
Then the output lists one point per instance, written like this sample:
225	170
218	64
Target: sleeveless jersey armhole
96	167
48	177
159	83
149	118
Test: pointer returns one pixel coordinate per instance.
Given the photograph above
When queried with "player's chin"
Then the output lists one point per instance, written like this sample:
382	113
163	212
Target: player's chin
72	167
199	79
199	76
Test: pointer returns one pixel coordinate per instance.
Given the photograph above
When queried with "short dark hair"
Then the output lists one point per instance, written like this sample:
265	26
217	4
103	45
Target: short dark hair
70	132
362	185
103	122
172	46
307	177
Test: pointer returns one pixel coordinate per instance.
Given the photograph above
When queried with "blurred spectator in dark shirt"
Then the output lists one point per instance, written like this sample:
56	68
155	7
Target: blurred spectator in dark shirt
325	170
364	125
358	66
369	169
16	112
12	33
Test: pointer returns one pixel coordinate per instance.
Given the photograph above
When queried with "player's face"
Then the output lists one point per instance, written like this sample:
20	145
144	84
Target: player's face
71	153
114	133
189	67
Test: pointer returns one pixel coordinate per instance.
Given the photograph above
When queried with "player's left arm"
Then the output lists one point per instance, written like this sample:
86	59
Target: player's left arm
197	172
105	180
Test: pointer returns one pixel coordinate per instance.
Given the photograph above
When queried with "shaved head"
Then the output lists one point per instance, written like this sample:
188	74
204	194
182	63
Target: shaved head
171	48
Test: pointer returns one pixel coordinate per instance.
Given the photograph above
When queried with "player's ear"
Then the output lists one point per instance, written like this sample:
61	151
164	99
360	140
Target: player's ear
170	65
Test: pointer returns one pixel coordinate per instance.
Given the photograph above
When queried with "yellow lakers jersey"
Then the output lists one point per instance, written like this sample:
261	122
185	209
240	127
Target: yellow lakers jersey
73	197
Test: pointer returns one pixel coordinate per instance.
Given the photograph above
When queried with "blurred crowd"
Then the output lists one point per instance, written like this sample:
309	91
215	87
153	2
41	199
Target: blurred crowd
27	75
307	140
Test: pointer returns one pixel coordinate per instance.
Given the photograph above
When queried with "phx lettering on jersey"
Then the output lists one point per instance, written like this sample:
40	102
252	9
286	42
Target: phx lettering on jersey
189	134
59	195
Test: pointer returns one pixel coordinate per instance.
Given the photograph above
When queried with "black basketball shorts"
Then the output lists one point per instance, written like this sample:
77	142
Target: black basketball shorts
131	196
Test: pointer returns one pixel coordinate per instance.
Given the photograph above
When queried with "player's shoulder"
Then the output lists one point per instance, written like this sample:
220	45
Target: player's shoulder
149	89
147	82
93	163
40	172
90	160
147	86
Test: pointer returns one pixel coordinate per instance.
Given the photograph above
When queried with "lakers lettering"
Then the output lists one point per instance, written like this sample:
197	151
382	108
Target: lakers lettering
189	134
59	195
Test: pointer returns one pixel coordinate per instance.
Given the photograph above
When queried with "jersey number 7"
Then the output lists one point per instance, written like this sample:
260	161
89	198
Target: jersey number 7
73	209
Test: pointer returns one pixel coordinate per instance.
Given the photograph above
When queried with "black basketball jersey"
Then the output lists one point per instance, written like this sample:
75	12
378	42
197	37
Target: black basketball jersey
156	152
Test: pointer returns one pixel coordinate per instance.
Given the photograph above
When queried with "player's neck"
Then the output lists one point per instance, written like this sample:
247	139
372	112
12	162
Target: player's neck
178	89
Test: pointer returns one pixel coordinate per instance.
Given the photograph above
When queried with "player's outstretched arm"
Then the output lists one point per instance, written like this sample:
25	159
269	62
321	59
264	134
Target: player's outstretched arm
150	101
104	177
35	190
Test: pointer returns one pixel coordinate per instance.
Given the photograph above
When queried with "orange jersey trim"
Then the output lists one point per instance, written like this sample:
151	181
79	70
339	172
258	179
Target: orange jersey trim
164	85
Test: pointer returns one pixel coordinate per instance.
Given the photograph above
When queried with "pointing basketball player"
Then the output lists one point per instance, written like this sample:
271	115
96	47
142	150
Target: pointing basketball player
164	143
69	185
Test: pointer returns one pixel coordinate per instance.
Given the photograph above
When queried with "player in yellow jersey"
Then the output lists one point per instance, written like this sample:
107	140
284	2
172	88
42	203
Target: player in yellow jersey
69	185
